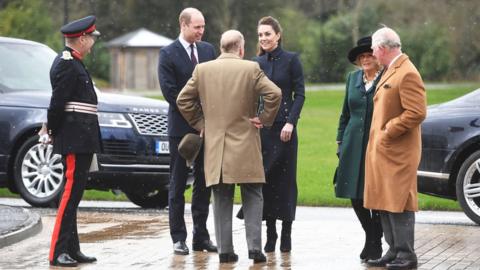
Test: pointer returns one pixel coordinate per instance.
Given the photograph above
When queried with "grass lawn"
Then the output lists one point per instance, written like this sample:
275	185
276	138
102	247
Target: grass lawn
317	160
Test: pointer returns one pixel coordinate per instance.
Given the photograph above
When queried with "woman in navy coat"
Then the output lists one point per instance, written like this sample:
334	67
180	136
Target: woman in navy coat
352	138
279	143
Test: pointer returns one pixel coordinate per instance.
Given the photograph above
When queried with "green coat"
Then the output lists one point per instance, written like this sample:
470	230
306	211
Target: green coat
353	131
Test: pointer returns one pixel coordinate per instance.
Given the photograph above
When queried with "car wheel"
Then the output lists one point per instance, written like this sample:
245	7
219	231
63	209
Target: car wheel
148	199
38	174
468	187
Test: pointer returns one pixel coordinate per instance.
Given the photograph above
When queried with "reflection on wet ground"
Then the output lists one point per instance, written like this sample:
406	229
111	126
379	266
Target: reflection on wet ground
323	238
98	227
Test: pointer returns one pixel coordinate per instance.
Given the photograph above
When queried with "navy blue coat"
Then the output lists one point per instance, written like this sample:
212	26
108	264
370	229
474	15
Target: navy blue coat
174	70
286	71
73	132
280	158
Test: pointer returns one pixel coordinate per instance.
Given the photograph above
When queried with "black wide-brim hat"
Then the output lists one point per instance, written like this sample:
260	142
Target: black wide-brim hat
363	45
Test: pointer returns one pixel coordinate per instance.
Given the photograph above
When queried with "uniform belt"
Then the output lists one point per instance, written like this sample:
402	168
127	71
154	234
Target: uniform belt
81	107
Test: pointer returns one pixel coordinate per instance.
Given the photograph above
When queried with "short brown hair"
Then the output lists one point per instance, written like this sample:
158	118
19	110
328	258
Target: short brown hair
186	15
277	28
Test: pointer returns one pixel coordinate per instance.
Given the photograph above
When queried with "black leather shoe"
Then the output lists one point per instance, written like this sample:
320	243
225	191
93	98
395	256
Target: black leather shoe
64	260
204	245
257	256
180	248
228	257
382	262
401	264
82	258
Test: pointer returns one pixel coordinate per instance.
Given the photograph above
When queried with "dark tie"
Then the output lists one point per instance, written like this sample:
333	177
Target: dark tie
192	55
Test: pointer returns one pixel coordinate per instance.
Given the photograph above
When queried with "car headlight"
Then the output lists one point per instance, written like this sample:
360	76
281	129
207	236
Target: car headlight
113	120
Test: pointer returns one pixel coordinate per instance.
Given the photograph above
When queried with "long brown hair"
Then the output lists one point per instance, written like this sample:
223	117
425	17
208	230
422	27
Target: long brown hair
277	28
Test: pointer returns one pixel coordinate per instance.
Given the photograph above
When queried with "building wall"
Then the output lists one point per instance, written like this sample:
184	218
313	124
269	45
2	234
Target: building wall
134	68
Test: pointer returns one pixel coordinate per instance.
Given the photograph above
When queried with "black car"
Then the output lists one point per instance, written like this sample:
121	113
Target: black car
450	165
135	154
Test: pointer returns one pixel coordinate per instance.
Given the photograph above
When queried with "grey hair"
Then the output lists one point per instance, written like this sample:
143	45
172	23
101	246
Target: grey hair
386	37
231	41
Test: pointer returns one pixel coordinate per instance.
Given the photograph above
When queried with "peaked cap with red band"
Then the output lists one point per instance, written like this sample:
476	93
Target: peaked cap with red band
83	26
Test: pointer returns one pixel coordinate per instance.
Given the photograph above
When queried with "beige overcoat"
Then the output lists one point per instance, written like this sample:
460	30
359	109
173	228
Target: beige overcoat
220	97
394	147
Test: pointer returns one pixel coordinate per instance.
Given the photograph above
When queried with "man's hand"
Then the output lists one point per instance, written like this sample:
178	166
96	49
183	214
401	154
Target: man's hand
286	133
201	132
44	138
256	122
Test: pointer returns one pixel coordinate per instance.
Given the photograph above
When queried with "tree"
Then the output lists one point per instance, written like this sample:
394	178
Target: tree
28	19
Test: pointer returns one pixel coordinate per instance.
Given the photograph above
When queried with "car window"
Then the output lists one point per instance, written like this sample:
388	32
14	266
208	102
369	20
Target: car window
25	67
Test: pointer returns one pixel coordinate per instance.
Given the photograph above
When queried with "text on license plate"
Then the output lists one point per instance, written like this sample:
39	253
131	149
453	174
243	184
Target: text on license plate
161	147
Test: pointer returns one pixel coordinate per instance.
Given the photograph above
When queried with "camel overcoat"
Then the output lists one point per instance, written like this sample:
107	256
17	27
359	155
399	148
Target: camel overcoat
220	98
394	147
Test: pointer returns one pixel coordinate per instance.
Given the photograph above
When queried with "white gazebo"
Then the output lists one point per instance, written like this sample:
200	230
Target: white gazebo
134	60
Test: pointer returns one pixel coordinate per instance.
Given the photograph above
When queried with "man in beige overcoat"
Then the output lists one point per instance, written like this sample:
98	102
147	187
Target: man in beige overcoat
394	150
221	101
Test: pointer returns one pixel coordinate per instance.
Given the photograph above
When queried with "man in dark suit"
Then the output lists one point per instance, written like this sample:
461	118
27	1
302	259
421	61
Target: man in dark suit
175	68
74	131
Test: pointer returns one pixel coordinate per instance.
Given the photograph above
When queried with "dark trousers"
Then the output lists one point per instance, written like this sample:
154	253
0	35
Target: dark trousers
176	199
398	229
65	234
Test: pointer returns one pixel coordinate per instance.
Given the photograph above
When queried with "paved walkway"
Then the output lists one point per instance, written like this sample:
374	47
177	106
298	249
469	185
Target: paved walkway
323	238
16	224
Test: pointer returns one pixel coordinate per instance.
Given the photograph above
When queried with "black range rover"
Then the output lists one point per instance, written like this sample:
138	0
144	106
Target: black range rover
135	155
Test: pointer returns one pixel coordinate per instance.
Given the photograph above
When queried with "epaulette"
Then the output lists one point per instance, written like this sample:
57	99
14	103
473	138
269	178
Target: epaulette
66	55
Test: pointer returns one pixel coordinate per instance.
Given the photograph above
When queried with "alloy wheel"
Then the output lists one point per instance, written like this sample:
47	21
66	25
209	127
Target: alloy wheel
42	171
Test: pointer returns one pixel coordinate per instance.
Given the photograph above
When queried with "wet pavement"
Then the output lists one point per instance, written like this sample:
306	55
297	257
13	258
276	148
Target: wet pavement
123	236
16	224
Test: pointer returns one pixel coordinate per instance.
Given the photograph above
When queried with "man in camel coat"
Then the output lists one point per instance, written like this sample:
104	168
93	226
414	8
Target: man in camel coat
394	150
221	101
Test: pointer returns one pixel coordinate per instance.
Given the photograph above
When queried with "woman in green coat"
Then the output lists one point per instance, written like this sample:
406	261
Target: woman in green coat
352	139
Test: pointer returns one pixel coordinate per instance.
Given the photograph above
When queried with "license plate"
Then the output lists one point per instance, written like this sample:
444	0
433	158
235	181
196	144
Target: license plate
162	147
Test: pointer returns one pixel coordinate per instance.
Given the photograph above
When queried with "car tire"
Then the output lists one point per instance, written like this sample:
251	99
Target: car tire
38	174
148	199
468	187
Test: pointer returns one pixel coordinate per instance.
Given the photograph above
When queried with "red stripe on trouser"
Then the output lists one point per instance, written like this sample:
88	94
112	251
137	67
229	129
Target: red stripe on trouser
63	204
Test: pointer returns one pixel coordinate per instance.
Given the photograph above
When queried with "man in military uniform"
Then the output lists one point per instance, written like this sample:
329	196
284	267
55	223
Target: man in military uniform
73	130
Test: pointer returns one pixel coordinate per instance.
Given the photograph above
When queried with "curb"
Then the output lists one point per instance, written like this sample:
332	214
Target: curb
18	232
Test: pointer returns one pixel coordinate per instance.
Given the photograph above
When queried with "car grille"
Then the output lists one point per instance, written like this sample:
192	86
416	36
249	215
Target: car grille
118	148
150	124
